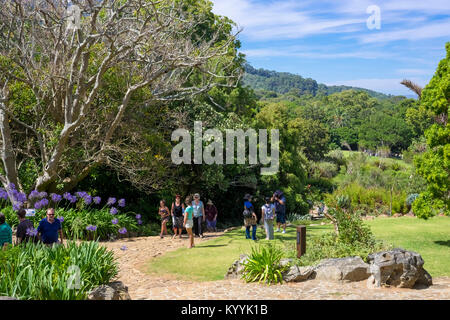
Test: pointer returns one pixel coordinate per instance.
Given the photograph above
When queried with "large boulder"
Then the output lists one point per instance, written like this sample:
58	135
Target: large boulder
342	269
237	268
298	274
398	268
112	291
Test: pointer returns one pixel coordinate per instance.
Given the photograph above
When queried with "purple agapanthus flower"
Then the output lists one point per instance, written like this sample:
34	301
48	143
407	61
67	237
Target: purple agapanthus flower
123	248
113	210
38	205
91	228
81	194
17	206
111	201
87	199
11	186
44	202
32	232
139	222
121	203
73	199
138	216
123	230
33	194
43	194
115	221
67	196
97	200
19	196
56	197
61	219
3	194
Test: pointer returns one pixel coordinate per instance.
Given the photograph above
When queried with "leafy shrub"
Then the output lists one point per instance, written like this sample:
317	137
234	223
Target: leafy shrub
38	272
324	169
263	265
328	245
352	228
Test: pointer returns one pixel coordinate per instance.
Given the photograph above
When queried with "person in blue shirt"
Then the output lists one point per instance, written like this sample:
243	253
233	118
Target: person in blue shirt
49	228
5	233
280	209
250	221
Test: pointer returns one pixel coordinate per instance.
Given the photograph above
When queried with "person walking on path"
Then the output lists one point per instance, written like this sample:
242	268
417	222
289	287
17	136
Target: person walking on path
280	209
49	228
165	216
211	216
25	230
250	218
5	233
189	221
177	215
199	215
268	214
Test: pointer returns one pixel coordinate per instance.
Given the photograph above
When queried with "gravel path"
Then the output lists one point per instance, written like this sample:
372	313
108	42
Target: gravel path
143	286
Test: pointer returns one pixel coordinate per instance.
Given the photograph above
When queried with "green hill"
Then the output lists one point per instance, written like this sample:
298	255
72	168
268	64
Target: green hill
284	82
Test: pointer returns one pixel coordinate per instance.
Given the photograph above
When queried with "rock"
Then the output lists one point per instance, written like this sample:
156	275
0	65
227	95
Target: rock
286	262
398	268
342	269
7	298
410	214
397	215
298	274
237	268
112	291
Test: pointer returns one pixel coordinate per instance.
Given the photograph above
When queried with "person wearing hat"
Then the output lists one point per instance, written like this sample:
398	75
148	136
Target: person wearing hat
177	216
250	219
199	215
211	216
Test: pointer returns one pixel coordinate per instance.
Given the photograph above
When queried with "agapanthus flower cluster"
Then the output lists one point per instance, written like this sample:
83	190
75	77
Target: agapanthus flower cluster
17	206
33	195
61	219
41	204
138	218
113	210
91	228
111	201
3	194
123	230
55	197
121	203
87	199
31	232
97	200
115	221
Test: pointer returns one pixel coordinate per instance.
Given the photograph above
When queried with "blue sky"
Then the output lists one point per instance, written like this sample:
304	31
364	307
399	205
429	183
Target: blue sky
330	41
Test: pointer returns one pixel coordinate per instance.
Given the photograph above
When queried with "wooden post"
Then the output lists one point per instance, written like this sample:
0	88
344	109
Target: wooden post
301	241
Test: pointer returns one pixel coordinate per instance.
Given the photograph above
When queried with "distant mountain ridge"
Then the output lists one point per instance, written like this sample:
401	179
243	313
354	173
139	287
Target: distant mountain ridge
283	82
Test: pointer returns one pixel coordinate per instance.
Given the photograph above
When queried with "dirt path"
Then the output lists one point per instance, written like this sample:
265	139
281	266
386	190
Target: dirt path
142	286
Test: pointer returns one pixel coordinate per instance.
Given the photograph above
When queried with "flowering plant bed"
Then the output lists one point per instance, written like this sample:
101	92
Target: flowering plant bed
82	215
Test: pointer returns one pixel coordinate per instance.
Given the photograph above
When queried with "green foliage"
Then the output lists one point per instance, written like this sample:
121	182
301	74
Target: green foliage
328	245
263	265
351	228
38	272
434	164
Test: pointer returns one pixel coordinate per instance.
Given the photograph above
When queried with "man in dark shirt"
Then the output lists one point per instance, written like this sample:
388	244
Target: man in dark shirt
49	228
25	229
280	209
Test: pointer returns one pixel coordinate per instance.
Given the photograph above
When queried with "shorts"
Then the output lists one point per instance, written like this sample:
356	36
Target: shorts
189	224
166	219
281	217
250	222
178	222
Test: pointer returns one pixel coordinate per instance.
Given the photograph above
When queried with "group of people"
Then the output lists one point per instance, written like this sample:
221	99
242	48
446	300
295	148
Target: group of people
189	215
274	208
48	232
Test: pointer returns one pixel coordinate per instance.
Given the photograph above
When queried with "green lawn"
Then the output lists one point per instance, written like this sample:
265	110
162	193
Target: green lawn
210	260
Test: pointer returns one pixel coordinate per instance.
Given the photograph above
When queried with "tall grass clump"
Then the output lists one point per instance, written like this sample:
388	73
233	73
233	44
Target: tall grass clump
38	272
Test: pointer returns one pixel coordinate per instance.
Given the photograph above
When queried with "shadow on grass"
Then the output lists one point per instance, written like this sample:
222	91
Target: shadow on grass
212	245
443	243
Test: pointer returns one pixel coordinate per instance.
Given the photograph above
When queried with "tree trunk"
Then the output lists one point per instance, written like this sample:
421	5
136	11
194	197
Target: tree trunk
8	155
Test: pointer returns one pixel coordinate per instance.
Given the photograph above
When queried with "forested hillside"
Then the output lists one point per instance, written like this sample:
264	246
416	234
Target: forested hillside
284	82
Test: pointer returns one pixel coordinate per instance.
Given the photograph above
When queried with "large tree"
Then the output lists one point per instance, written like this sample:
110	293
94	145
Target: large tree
76	81
434	164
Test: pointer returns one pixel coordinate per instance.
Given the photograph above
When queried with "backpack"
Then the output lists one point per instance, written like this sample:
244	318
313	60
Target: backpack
248	213
269	212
